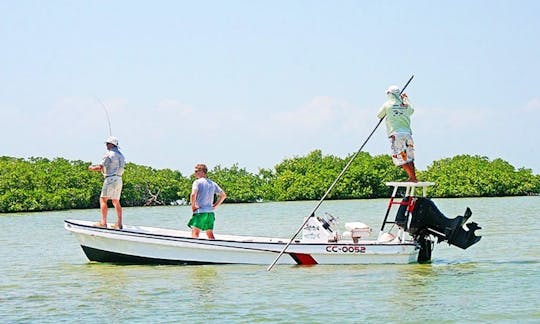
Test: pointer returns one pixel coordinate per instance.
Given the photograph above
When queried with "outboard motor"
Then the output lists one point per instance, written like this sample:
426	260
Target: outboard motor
428	220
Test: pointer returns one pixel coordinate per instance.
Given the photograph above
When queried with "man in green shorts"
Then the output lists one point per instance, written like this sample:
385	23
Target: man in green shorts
202	203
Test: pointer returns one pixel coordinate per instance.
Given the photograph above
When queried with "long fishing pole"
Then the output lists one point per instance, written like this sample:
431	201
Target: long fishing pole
107	114
332	186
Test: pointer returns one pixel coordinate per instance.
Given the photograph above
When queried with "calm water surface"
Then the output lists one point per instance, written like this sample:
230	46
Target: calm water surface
45	277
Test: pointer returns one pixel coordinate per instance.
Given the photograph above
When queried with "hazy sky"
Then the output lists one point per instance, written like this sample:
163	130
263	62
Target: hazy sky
254	82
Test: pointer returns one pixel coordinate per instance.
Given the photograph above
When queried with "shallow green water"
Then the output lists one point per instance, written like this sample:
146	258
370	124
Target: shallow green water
45	277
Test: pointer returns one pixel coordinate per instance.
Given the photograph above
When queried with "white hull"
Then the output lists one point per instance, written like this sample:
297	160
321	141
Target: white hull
418	223
140	245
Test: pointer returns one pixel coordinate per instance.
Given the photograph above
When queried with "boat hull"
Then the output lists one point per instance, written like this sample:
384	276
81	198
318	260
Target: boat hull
148	245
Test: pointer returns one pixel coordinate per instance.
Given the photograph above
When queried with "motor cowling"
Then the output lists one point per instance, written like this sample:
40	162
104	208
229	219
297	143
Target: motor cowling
428	220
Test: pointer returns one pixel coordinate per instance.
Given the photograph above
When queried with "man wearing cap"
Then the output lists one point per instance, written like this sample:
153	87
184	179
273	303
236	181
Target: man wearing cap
398	110
112	167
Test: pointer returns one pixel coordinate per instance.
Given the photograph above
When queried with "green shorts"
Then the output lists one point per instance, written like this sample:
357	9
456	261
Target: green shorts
202	221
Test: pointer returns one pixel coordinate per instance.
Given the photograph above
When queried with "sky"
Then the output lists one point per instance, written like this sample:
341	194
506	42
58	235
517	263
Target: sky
253	83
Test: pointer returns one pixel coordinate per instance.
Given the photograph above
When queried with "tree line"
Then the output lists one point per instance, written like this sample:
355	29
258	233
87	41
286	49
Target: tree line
41	184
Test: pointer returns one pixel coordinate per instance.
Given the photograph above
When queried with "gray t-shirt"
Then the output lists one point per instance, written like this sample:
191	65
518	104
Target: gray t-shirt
113	163
206	190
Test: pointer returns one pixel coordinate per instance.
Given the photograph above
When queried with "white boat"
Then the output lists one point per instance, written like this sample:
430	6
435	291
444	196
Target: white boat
410	239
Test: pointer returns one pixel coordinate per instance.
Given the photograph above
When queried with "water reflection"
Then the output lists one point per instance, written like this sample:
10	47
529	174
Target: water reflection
447	287
108	288
205	283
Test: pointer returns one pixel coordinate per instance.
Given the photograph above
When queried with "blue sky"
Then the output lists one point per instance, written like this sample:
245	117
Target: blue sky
255	82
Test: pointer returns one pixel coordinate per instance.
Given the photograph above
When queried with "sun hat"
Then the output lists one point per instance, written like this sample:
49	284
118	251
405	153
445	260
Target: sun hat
112	140
394	89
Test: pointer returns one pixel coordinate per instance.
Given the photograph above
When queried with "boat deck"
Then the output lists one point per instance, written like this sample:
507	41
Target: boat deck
174	233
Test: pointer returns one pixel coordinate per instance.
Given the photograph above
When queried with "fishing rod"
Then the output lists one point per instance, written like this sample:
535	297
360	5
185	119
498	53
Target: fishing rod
107	114
332	186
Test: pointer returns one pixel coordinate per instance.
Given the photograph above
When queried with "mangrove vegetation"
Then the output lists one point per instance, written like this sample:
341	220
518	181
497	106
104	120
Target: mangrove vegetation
40	184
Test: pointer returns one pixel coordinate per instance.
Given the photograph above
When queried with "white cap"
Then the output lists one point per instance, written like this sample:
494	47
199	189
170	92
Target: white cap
112	140
393	89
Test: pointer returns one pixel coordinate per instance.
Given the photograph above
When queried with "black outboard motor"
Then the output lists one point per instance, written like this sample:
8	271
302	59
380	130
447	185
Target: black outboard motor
427	219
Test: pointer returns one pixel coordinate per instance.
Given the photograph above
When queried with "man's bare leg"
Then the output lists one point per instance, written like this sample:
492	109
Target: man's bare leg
411	172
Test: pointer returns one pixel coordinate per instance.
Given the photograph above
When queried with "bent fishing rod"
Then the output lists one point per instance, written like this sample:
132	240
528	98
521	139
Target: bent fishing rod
106	113
312	214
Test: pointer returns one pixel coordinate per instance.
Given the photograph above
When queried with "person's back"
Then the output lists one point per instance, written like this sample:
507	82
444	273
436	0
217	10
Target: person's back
113	163
398	112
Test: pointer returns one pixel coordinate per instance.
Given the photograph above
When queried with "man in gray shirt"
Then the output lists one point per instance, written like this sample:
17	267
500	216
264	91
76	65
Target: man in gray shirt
112	167
202	196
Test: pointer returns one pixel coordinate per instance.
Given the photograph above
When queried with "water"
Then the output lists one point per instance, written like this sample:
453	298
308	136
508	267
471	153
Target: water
45	277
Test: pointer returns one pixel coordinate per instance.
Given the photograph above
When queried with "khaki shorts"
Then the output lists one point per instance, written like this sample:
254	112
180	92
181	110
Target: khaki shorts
402	149
112	187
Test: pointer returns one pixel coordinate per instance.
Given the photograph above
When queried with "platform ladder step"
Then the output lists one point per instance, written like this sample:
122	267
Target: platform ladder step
410	193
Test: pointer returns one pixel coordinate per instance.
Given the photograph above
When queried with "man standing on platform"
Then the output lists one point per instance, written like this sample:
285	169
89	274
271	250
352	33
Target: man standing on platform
398	110
112	167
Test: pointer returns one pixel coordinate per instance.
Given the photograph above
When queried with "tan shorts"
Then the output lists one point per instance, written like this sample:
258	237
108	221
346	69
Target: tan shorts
112	187
402	149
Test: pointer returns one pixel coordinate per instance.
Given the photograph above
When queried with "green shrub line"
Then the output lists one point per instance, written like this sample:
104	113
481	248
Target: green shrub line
41	184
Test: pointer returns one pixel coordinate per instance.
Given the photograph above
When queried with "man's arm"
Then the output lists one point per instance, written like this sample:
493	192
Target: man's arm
193	200
220	200
98	167
382	111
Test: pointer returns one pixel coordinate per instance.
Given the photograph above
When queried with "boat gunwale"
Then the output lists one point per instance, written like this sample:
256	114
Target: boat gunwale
206	241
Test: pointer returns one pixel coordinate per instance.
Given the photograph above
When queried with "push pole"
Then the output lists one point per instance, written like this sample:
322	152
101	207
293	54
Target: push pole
331	186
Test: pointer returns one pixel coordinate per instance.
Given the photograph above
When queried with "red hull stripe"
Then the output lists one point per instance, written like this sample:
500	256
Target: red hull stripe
303	259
